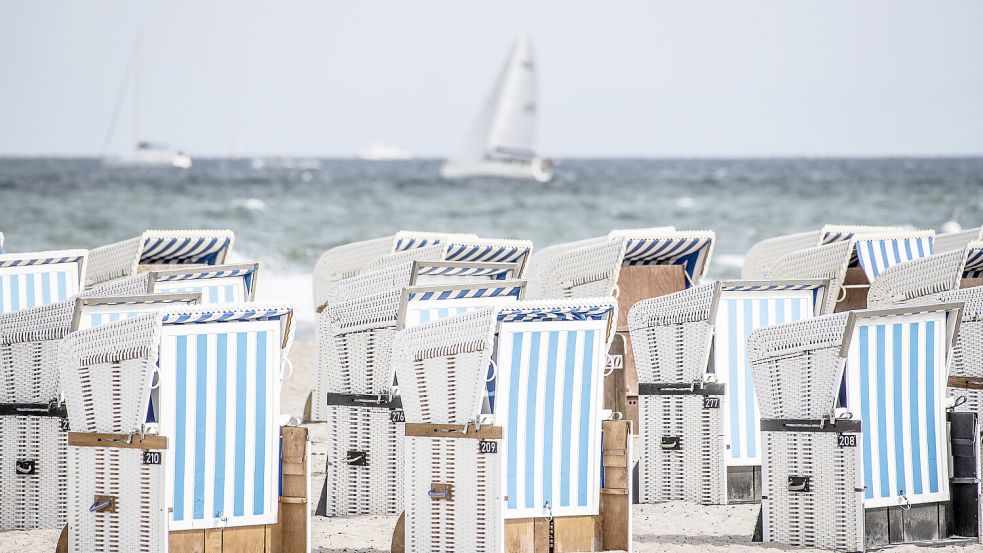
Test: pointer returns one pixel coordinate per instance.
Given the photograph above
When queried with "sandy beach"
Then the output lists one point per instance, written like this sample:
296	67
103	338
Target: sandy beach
674	527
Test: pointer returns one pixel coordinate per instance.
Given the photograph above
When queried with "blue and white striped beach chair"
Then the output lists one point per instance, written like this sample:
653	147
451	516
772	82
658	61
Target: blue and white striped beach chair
422	304
32	433
33	279
667	246
761	256
161	249
217	284
928	276
216	400
853	264
854	422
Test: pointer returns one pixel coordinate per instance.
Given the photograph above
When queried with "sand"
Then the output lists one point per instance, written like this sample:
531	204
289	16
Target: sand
669	527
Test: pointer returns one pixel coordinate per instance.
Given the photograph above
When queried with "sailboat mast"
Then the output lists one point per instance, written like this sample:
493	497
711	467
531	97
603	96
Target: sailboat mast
128	77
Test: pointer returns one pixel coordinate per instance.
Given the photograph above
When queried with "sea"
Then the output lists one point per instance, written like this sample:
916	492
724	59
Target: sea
286	212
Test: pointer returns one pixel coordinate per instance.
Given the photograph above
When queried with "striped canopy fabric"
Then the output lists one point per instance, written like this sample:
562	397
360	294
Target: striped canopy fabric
895	382
408	240
441	271
217	403
429	303
94	312
182	248
36	279
689	249
743	309
550	390
489	251
222	285
973	268
875	255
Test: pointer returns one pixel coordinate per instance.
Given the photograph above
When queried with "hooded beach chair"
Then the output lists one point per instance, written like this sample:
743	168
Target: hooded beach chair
698	412
216	284
33	424
160	249
854	426
348	260
657	261
204	383
39	278
760	258
852	264
539	450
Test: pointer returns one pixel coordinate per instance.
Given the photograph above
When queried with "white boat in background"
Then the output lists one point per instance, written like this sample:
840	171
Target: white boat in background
501	140
378	151
144	153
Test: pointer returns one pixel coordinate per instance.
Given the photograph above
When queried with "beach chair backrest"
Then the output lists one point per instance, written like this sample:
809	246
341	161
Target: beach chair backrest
29	352
585	271
550	363
489	250
159	249
346	261
411	239
876	253
689	249
423	304
220	284
356	340
32	279
93	311
762	256
442	367
967	357
671	335
917	279
895	383
957	240
218	404
745	306
370	283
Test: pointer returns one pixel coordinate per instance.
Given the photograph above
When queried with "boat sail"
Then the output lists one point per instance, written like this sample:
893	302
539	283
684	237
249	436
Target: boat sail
145	153
501	140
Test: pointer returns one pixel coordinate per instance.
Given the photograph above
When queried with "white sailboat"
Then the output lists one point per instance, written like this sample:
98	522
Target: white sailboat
144	153
501	140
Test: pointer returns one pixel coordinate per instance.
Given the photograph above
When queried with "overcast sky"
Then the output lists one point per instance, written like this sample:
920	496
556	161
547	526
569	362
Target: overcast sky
617	77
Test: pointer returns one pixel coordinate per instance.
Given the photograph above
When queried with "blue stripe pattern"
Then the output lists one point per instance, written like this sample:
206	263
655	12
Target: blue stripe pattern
973	267
690	252
549	389
876	255
24	290
896	385
198	250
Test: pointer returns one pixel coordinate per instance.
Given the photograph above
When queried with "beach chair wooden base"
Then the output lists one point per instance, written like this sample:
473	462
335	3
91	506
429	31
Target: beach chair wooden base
609	530
744	484
291	533
970	282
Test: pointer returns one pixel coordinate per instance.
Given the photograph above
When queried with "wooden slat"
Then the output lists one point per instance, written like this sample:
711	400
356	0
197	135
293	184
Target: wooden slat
971	383
639	282
581	533
486	432
186	541
290	533
244	539
520	536
213	541
121	441
970	282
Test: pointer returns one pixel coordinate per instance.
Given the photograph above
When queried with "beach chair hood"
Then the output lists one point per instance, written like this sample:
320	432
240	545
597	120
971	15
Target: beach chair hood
159	248
667	246
31	279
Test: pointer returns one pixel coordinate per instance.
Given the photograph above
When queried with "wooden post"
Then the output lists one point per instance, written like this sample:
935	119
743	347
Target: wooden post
856	298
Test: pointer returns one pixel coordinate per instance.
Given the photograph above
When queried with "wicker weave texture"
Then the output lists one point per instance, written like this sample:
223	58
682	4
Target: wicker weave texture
375	488
917	279
586	271
471	520
761	256
967	355
29	352
826	261
29	501
957	240
140	520
671	335
696	471
830	515
346	261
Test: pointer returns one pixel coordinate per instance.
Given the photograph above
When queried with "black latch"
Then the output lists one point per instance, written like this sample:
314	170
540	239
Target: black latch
670	443
798	483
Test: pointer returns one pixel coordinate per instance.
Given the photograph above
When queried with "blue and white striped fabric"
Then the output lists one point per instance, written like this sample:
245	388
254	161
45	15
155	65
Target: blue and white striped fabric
832	236
877	255
549	402
103	313
973	268
740	312
896	379
219	398
213	289
585	313
435	304
409	243
222	315
170	250
27	283
689	251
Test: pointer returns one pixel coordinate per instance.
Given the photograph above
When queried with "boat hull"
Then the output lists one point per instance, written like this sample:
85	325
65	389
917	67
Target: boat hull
535	171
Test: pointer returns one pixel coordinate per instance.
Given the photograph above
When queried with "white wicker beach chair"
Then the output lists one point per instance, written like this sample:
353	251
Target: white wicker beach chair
423	304
388	272
32	279
957	240
216	395
216	284
854	424
160	249
585	269
33	425
540	458
667	246
490	251
871	252
761	256
698	412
